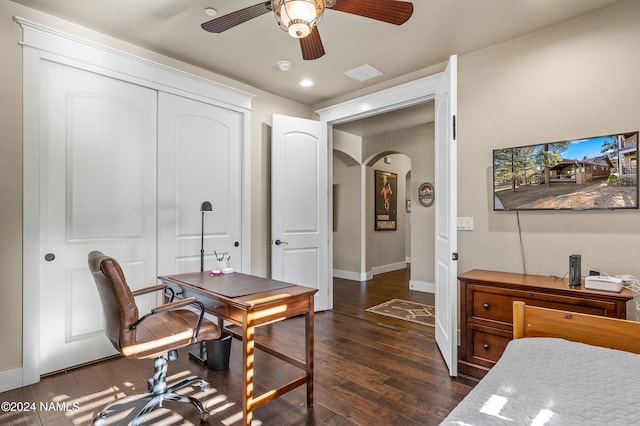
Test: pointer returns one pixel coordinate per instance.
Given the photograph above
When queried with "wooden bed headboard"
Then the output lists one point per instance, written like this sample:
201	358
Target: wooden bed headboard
531	321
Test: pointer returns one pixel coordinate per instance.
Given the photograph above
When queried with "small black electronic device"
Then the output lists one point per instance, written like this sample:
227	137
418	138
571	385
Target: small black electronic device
574	270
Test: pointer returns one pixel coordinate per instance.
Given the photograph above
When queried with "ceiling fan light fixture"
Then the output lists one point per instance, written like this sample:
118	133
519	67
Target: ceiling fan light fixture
298	17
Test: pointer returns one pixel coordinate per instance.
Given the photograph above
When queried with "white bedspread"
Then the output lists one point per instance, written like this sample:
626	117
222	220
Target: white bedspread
545	381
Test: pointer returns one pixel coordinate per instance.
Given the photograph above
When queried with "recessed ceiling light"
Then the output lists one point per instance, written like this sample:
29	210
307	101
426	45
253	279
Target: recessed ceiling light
210	11
306	83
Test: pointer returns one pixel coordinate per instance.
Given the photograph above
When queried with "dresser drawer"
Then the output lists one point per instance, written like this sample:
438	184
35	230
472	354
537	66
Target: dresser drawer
486	310
494	305
486	344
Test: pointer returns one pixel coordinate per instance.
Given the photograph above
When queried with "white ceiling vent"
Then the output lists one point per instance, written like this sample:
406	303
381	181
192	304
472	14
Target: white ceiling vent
363	72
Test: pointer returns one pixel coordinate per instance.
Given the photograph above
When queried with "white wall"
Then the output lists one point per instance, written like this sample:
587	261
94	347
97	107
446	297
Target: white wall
573	80
347	217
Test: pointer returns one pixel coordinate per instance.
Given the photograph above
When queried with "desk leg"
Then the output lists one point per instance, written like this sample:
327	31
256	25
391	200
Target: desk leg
248	348
309	351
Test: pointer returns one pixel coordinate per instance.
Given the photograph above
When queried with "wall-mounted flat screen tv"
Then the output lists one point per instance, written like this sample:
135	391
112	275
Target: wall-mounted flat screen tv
596	173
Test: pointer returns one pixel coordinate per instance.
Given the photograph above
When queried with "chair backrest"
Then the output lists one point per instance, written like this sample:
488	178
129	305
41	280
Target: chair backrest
118	304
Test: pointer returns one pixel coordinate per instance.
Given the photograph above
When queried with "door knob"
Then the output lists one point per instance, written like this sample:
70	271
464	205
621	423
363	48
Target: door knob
278	242
49	257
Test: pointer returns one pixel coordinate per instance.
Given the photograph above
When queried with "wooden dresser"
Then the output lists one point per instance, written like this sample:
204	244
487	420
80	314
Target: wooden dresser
486	312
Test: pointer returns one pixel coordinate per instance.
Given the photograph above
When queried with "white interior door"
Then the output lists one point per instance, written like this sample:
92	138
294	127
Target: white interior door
299	205
98	171
446	212
199	159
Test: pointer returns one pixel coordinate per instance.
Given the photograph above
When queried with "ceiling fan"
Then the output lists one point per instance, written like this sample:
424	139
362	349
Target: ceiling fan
300	17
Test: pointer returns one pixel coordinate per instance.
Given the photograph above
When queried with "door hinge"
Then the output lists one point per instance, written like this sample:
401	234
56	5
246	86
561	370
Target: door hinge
454	256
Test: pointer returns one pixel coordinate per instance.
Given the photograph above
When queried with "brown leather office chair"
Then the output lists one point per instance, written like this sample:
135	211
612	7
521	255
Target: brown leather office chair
158	334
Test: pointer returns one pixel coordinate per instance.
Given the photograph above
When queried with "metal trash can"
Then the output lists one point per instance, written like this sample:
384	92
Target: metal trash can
218	352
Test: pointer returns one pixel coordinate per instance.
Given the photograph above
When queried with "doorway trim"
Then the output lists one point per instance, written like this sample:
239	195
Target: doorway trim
401	96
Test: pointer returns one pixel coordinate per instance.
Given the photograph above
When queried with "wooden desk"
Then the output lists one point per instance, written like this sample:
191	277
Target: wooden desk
249	302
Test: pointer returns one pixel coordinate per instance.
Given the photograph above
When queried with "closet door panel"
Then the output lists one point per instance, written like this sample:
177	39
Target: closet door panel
199	160
97	180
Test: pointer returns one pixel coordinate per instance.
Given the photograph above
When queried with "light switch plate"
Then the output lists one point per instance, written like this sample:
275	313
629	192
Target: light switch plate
465	224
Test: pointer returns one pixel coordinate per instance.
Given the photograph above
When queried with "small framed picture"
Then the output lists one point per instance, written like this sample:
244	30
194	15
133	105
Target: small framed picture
386	184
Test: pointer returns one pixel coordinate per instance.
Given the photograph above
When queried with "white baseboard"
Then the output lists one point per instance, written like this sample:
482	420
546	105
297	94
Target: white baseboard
364	276
421	286
10	379
351	275
388	268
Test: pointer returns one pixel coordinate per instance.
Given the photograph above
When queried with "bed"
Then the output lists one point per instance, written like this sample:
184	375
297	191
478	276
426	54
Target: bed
562	368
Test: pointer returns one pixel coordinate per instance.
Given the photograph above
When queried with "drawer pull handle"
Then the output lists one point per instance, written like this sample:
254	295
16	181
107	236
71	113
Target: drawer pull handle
486	347
530	294
485	306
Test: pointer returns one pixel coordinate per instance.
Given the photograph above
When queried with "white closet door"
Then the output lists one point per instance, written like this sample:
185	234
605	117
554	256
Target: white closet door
98	171
199	159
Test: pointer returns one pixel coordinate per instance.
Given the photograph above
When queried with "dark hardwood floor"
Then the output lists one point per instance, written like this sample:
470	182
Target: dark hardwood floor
369	370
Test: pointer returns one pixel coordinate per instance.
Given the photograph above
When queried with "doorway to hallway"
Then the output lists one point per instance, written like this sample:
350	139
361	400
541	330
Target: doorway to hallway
359	251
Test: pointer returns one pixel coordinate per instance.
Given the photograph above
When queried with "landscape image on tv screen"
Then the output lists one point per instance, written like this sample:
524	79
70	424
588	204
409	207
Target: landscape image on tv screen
583	174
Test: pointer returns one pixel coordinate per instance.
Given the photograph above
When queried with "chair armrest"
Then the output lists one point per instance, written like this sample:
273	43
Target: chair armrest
149	289
169	293
173	305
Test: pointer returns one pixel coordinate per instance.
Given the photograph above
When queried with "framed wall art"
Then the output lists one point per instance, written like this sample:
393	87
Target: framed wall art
386	201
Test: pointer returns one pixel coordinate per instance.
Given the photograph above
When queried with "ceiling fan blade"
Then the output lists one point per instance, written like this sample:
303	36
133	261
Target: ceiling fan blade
311	46
391	11
232	19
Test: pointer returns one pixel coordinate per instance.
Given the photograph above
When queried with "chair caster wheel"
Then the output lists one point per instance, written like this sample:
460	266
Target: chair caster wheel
204	386
100	419
205	416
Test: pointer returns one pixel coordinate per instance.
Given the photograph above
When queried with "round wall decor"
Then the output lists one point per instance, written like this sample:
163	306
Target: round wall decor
425	194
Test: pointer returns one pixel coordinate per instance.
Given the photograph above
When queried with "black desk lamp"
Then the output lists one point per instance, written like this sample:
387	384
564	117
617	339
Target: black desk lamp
206	207
200	355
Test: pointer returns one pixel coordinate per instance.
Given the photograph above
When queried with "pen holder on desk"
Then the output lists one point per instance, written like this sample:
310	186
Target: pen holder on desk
223	260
